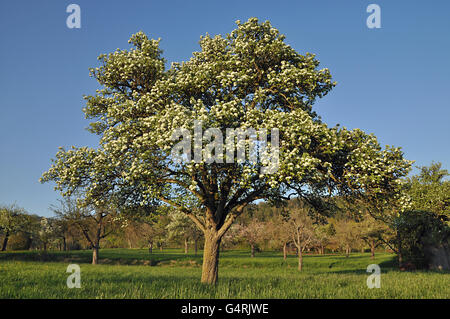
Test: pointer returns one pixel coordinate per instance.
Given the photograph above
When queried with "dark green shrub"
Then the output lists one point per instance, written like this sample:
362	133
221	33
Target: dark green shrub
417	232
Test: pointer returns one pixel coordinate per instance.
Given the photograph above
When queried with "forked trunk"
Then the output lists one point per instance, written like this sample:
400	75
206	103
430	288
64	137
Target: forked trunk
210	268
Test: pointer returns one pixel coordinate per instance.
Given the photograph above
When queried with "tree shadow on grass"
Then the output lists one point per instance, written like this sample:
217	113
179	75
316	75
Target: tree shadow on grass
105	258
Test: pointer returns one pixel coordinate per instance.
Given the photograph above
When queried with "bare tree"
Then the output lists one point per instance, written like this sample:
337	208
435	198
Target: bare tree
95	223
253	233
301	228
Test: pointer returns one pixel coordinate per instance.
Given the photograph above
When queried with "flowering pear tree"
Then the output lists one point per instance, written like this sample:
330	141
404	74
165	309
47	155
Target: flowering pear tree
249	78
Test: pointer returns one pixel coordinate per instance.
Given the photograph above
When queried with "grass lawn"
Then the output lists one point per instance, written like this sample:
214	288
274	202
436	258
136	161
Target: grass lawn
134	273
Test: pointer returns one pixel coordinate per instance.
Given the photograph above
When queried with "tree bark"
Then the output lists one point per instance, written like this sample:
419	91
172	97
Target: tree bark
64	244
252	250
284	251
186	246
210	267
95	255
150	247
5	241
400	249
300	259
372	249
29	242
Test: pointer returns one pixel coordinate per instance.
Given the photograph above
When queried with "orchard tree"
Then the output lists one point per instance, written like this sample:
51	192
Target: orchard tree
301	228
323	234
276	229
347	234
95	223
249	78
430	190
13	219
182	227
47	232
372	232
254	233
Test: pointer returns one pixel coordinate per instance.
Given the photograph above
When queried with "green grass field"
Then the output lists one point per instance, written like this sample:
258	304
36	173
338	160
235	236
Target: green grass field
134	273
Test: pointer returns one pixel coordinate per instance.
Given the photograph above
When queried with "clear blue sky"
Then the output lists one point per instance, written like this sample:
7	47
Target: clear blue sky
392	81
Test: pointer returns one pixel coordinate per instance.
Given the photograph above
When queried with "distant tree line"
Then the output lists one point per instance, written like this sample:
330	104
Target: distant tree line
292	226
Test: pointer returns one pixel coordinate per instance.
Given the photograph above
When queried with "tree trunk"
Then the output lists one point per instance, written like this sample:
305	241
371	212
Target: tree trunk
150	247
28	243
347	251
64	244
284	251
300	259
210	268
45	246
253	250
195	246
95	255
322	250
400	249
5	241
186	246
372	249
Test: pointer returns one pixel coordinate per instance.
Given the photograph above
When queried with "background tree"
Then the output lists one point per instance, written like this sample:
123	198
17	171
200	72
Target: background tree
416	232
13	219
95	223
372	231
430	190
181	227
61	228
47	232
301	228
254	233
276	229
323	235
347	234
150	231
